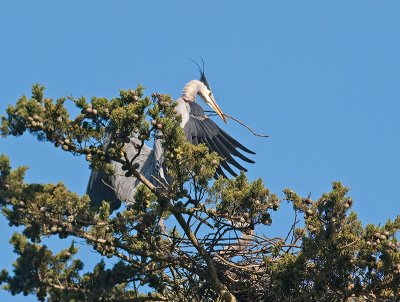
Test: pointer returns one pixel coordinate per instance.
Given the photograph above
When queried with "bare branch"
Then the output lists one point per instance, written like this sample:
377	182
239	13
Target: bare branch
212	113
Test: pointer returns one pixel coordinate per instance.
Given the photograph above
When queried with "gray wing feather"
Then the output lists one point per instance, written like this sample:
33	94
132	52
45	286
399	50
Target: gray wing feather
118	187
209	137
125	187
200	129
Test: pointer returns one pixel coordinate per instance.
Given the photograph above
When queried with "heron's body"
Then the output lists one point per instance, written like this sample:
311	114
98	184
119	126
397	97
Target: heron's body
198	128
118	187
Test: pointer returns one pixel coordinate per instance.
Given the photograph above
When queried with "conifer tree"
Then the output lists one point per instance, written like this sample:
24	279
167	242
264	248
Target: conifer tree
194	239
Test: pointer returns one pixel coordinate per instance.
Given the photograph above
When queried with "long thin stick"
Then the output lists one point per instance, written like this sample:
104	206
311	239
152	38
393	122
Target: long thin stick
239	122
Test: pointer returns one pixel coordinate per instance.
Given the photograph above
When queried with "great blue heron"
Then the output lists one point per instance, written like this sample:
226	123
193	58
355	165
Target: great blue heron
198	128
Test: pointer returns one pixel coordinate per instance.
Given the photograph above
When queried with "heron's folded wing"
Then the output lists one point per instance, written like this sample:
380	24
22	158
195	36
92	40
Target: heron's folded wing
116	188
125	187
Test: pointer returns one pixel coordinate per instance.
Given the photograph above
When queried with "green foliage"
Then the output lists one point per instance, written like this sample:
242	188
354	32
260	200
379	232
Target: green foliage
194	239
243	202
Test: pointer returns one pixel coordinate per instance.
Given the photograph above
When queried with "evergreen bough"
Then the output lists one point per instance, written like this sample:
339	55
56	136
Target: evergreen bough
194	239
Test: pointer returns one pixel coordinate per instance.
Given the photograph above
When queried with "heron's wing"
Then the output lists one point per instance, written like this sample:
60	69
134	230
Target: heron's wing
200	129
125	187
99	191
118	187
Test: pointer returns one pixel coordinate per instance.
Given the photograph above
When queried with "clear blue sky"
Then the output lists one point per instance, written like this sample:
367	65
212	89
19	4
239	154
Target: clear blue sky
321	79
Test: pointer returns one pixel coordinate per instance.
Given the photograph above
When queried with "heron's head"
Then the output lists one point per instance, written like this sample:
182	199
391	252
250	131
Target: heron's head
208	97
206	94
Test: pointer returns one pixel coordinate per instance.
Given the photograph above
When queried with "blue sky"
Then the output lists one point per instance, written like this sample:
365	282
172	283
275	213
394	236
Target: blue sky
322	79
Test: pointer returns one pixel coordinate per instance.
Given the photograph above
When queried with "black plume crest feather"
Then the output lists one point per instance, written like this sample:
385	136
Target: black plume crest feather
203	78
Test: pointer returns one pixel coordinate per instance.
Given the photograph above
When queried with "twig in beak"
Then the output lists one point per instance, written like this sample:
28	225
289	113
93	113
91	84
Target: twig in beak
212	113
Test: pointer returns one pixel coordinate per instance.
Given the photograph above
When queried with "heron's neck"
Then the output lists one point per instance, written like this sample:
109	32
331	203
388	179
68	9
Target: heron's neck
191	89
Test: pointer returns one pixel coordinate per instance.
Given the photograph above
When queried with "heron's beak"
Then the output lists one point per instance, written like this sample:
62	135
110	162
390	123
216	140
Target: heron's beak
209	99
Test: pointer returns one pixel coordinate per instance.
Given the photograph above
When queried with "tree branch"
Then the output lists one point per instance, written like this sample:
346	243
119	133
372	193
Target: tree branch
218	286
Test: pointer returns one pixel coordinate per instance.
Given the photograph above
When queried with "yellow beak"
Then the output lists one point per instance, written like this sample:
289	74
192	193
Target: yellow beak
209	99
